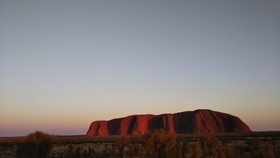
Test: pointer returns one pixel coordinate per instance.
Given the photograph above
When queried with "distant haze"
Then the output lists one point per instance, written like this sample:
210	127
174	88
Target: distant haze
64	64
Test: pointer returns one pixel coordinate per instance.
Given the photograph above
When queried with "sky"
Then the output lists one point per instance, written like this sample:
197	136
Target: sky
64	64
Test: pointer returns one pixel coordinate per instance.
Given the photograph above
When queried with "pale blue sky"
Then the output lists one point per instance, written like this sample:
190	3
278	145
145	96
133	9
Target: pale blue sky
64	64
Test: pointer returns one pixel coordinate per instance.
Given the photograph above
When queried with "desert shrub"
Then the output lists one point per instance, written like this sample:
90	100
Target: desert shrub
268	152
259	150
136	148
209	144
123	142
170	152
186	150
158	141
222	152
131	152
225	151
195	150
70	151
214	154
237	154
179	150
113	153
90	151
35	145
141	151
81	151
257	146
205	150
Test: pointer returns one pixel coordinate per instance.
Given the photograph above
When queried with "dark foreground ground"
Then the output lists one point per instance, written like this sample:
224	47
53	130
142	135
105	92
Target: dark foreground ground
250	145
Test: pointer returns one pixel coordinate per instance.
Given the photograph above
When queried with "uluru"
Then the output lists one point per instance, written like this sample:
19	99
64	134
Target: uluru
188	122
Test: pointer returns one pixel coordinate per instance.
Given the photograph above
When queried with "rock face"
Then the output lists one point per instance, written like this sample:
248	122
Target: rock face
198	121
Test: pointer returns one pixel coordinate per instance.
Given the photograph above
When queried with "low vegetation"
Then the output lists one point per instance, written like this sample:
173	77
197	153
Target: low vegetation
36	145
158	144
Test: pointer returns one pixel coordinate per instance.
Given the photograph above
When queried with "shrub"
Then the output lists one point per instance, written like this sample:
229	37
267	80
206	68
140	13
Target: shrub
158	141
70	151
35	145
209	144
268	152
186	150
257	146
123	142
195	150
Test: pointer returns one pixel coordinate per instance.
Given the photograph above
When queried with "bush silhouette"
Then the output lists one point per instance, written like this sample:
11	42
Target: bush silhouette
70	151
123	142
35	145
269	153
257	146
209	144
159	141
196	150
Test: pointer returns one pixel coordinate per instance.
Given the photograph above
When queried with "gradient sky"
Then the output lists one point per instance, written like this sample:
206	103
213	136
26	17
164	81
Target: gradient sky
64	64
